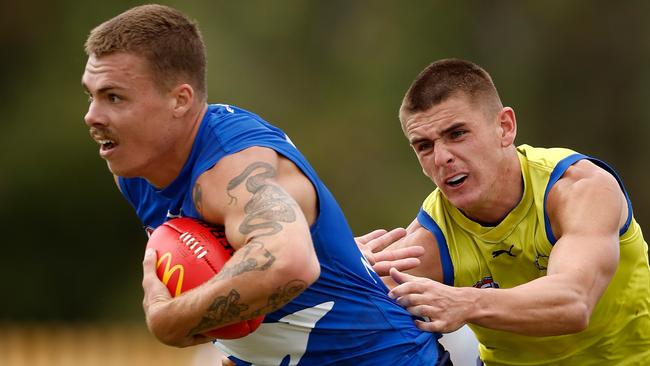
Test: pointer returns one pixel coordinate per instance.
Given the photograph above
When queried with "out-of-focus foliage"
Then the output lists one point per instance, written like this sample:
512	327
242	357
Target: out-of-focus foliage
331	74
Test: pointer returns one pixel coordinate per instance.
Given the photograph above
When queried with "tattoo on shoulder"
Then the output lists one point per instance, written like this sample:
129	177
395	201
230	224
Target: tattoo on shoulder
269	206
197	197
254	257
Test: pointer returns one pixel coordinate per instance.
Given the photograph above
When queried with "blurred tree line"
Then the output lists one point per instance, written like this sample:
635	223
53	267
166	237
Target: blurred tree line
331	74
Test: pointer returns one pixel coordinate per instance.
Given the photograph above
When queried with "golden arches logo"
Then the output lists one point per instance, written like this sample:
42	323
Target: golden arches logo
168	272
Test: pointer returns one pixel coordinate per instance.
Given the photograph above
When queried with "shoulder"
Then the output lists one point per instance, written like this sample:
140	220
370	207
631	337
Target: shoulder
236	128
231	170
230	135
584	178
247	176
586	193
222	193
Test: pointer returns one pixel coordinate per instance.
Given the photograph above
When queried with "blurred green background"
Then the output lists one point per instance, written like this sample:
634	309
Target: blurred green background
331	74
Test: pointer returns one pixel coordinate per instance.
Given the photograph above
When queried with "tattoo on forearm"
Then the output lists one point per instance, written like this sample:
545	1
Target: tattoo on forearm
226	308
197	197
281	296
269	205
222	309
255	257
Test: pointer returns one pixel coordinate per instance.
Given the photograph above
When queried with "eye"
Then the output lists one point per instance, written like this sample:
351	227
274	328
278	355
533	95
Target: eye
457	134
113	98
423	146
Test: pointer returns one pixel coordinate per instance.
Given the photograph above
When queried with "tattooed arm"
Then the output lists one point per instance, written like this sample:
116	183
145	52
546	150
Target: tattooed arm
266	205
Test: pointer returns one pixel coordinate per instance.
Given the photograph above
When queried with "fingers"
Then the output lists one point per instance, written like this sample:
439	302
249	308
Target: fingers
382	268
401	277
364	239
403	253
149	263
382	241
436	319
154	289
437	326
433	327
426	326
408	285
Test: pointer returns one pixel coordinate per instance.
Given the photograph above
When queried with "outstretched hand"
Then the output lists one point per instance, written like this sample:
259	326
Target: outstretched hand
446	307
375	248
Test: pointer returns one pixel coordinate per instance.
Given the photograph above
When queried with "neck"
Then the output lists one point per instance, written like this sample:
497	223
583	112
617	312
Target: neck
173	163
504	196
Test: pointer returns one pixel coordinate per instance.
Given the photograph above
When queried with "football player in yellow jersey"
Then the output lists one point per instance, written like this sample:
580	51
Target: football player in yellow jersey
535	249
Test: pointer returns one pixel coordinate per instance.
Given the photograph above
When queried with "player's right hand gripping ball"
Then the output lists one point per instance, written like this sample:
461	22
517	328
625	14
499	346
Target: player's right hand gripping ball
190	252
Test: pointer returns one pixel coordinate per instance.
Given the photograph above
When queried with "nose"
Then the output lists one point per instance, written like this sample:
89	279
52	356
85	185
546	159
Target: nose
442	155
93	116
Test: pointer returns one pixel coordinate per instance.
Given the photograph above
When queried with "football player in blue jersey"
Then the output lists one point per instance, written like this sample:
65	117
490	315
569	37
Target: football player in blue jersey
173	154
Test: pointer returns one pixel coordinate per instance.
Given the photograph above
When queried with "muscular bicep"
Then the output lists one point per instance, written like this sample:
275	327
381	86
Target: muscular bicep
247	193
255	193
586	199
586	208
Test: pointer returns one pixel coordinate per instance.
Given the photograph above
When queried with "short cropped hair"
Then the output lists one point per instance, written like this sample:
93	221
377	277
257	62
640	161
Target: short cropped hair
165	37
448	78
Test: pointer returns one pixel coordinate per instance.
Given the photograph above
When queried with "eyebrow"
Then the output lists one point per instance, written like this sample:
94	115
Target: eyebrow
102	89
454	126
447	130
416	141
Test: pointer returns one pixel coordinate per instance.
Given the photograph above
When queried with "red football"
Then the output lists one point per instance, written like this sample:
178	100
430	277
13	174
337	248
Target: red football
190	252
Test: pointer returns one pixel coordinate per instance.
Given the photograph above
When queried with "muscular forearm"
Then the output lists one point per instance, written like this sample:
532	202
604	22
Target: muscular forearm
245	297
550	305
547	306
221	303
252	283
560	302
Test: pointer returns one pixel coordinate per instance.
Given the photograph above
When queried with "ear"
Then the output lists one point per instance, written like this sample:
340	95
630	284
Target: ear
507	126
183	99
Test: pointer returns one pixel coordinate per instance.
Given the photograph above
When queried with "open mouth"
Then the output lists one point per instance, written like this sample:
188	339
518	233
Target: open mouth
106	144
456	180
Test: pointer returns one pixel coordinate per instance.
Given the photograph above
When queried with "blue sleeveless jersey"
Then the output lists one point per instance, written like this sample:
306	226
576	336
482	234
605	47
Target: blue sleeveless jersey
345	317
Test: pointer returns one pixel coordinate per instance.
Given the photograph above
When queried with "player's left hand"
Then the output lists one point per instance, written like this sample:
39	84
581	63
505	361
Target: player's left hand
375	248
158	308
446	307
